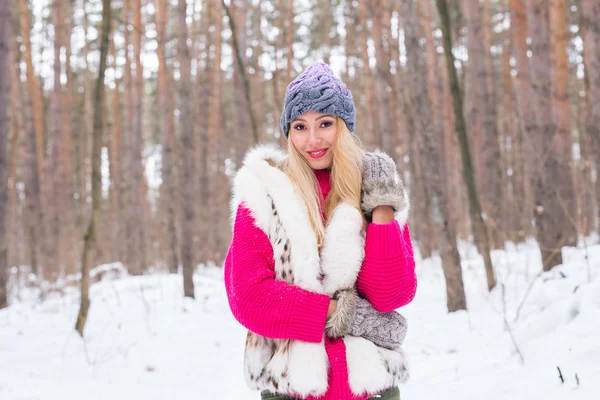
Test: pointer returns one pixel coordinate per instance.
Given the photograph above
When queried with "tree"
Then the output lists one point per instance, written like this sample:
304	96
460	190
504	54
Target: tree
524	100
137	201
481	123
187	150
429	139
591	45
241	83
480	231
89	237
370	133
165	116
553	217
561	113
5	38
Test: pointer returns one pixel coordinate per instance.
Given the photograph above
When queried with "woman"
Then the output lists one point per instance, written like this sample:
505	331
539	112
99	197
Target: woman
321	255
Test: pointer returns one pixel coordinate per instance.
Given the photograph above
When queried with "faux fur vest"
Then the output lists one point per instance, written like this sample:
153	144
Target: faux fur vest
291	366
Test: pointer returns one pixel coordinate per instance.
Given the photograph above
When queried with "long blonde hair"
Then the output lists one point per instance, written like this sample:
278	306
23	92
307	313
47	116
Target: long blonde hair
346	178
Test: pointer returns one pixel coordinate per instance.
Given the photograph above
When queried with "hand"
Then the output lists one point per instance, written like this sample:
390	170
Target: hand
384	329
339	320
381	185
332	308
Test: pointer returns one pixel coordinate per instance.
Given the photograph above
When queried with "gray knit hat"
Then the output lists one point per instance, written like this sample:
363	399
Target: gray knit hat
317	89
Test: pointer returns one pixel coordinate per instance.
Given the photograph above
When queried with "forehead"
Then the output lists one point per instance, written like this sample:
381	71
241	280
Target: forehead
311	115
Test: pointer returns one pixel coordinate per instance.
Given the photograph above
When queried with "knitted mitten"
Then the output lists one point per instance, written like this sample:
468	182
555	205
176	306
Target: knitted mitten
384	329
381	186
339	323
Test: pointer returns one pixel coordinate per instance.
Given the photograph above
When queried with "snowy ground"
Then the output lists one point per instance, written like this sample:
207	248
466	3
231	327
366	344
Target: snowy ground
143	340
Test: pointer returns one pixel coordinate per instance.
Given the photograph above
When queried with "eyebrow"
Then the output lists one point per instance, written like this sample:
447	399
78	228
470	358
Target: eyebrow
322	116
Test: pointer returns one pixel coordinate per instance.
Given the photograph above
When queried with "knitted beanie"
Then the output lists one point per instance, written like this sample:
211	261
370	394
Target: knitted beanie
317	89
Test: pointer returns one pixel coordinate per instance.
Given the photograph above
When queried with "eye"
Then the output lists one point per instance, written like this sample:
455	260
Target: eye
299	127
327	124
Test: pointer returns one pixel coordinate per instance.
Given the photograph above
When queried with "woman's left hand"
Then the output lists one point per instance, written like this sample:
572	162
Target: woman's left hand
381	185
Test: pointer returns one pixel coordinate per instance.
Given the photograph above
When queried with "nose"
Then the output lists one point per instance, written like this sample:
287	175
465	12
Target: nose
314	137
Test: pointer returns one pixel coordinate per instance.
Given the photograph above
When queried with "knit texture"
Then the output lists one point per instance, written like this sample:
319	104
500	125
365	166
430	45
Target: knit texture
276	309
384	329
381	185
317	89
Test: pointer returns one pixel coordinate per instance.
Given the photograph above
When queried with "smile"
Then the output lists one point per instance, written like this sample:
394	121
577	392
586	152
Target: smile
317	153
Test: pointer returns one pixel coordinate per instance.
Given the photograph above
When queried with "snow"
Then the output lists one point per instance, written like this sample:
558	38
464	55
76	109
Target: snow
144	340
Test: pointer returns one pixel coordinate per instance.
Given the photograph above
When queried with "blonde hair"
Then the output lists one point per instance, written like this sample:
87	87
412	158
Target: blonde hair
346	178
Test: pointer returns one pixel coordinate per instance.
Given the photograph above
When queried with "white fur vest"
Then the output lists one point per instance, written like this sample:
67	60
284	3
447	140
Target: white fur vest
292	366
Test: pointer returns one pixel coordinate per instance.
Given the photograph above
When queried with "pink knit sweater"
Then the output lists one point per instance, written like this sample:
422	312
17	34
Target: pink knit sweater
274	308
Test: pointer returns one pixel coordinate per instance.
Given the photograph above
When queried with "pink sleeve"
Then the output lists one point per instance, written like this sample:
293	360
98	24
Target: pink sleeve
264	305
387	277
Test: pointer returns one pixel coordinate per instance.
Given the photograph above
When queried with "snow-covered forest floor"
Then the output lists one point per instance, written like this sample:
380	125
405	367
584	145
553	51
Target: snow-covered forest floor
144	340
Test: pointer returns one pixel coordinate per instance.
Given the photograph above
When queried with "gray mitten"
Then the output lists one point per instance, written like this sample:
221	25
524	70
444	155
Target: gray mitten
338	325
381	185
384	329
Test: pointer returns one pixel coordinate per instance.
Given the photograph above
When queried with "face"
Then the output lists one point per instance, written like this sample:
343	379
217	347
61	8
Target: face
313	135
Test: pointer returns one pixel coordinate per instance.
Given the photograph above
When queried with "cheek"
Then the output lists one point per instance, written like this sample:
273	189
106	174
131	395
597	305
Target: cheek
330	137
297	141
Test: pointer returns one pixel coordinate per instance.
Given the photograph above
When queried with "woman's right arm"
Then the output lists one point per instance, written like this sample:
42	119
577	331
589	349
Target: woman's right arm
264	305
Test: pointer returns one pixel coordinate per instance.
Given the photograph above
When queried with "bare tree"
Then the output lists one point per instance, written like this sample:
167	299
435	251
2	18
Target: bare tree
187	150
524	99
554	219
429	139
591	43
561	113
370	132
481	122
32	192
86	257
5	38
136	259
165	116
243	98
479	228
15	226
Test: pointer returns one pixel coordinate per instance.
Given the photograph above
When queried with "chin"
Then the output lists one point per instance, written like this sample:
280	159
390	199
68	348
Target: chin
320	163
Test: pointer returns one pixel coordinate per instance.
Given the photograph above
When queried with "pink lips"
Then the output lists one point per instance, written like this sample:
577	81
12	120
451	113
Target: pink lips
317	153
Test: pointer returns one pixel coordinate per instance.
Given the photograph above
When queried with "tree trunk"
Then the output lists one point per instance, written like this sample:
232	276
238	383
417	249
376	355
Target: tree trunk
89	237
370	128
187	150
524	99
216	147
481	122
246	120
479	228
15	225
165	115
55	205
435	88
591	45
136	200
561	113
34	89
383	132
513	161
289	29
70	250
552	215
204	93
32	192
5	38
428	137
